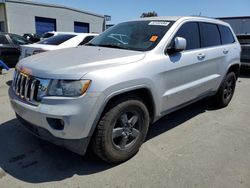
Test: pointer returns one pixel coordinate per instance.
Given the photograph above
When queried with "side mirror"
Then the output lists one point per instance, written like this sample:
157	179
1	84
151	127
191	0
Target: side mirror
179	45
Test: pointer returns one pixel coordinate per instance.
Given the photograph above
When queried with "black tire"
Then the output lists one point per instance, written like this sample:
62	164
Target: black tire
226	90
121	130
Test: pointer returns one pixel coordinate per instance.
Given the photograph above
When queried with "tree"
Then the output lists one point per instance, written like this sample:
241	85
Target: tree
149	14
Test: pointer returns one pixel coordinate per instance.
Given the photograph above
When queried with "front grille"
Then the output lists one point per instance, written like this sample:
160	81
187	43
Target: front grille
28	88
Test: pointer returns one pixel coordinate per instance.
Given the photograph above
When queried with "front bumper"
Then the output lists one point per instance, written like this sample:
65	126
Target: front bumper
78	146
78	115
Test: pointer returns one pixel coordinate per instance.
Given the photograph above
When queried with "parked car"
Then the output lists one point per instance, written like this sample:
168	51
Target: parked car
108	92
32	37
10	48
59	41
245	46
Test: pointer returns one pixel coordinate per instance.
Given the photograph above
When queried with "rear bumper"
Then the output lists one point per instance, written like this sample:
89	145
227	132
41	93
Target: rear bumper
78	146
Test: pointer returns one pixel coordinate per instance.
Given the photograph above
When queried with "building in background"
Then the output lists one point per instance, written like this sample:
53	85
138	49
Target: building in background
240	25
21	16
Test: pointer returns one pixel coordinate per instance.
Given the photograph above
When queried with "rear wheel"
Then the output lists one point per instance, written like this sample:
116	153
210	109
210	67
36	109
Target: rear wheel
121	130
226	90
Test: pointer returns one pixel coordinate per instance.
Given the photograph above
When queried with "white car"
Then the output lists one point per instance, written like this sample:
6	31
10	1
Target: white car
60	41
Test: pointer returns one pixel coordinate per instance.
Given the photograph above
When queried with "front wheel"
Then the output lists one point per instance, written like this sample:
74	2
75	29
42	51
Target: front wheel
121	130
226	90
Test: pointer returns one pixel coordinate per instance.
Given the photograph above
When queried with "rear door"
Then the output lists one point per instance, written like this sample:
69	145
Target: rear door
216	54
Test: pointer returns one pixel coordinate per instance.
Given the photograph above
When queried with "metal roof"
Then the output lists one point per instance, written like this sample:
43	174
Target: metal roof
175	18
51	5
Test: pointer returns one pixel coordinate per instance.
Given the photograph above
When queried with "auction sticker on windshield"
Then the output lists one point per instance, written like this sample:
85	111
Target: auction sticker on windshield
158	23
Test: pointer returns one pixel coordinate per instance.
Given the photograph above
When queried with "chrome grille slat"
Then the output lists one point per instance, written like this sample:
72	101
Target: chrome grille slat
26	88
21	92
29	88
32	89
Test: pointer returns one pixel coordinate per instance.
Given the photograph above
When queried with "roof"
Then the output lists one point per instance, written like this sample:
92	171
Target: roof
175	18
52	5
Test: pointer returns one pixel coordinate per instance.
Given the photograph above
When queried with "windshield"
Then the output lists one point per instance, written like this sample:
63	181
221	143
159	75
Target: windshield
57	40
137	35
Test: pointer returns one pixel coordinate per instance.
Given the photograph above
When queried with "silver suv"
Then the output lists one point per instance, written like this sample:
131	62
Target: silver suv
107	93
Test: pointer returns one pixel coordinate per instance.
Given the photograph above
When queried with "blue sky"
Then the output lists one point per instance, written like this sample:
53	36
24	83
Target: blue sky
131	9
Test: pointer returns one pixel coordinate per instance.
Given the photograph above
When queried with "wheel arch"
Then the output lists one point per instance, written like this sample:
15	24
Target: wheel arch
143	93
234	68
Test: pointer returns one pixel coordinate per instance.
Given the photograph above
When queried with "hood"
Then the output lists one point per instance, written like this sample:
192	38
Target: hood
74	63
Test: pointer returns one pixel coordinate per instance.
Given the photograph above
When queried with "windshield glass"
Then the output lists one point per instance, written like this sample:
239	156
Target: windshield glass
137	35
56	40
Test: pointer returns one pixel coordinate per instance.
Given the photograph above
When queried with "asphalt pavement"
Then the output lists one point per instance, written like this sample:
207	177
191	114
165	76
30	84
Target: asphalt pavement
198	146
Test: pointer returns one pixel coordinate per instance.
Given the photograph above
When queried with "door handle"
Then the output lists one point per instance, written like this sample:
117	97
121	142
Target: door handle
225	51
201	56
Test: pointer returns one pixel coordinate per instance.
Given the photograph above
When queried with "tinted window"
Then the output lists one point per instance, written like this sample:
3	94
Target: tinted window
210	35
226	35
136	35
56	40
3	40
86	40
18	40
190	31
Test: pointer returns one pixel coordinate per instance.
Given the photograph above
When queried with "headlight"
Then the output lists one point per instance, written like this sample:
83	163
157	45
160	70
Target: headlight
68	88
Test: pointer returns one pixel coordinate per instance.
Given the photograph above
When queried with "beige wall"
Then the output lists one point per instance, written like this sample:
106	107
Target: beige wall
21	18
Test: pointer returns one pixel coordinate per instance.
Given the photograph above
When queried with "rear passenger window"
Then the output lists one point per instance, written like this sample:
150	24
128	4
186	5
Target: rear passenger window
3	40
86	40
226	35
190	31
210	35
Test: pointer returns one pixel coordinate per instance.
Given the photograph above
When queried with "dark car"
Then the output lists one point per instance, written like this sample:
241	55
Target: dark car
10	48
245	46
32	37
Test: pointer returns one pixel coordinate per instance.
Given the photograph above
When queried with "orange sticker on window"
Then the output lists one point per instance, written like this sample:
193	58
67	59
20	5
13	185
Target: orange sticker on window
153	38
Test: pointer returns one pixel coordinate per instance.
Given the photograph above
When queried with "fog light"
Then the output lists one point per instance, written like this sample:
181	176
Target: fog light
57	124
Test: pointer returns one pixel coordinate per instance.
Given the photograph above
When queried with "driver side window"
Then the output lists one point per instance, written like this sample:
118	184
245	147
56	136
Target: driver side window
190	31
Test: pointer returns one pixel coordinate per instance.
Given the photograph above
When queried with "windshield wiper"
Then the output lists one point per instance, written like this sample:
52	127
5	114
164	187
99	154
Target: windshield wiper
113	46
107	45
90	44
